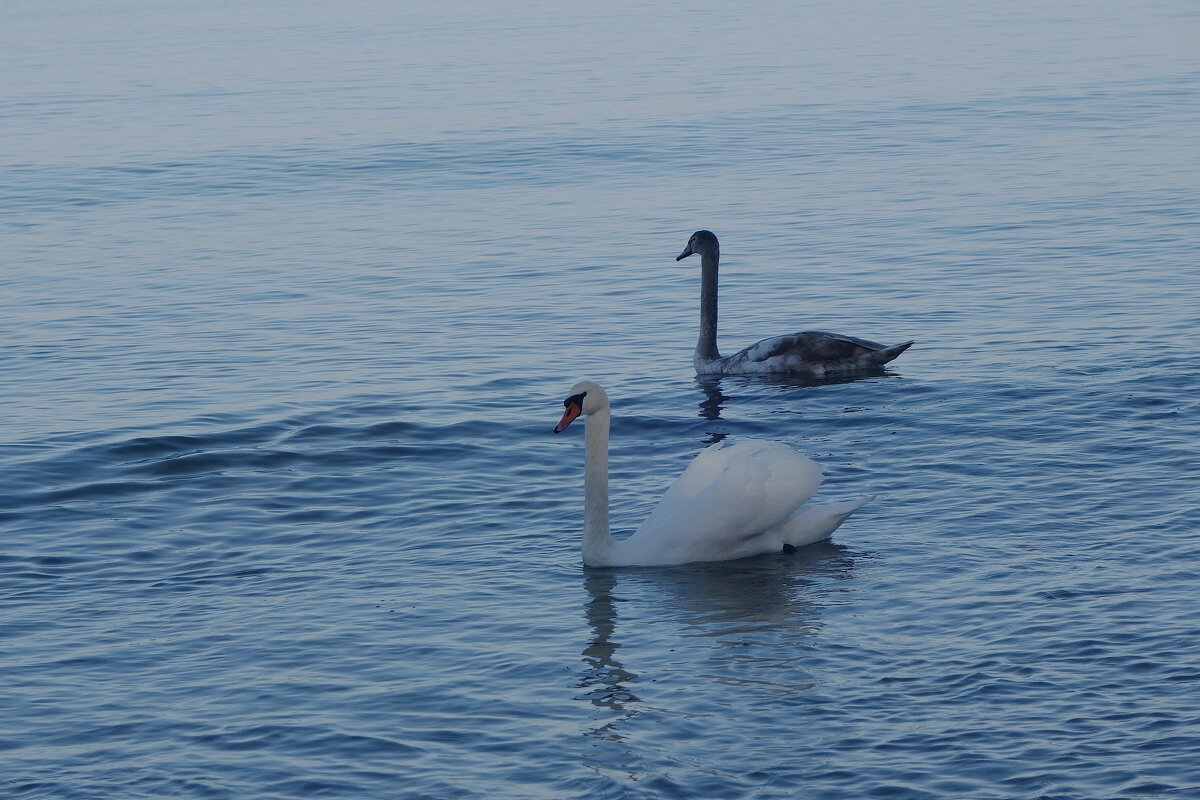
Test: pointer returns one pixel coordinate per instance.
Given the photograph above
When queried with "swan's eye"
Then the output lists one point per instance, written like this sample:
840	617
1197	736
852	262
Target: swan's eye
575	399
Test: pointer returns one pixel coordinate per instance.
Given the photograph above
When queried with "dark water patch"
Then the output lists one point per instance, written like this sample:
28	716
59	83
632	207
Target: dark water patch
146	447
218	462
102	490
34	576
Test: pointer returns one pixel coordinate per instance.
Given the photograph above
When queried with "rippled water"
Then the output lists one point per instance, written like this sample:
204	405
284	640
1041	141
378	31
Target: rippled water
292	293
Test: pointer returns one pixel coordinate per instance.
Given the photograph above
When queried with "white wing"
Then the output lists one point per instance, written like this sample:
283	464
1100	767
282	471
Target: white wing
730	495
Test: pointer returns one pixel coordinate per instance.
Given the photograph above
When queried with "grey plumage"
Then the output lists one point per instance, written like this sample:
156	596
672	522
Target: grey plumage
814	353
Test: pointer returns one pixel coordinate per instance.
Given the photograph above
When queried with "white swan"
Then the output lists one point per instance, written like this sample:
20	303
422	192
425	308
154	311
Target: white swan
812	353
734	500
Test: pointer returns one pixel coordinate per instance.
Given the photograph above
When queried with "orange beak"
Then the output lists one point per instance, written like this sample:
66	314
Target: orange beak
572	411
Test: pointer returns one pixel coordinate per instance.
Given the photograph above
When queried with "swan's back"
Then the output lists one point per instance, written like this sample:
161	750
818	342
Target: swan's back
730	494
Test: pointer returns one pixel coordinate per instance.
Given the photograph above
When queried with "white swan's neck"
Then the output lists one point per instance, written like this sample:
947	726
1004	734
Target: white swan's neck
597	540
706	345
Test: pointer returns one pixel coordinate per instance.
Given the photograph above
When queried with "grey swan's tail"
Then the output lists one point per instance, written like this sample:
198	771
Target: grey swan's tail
886	354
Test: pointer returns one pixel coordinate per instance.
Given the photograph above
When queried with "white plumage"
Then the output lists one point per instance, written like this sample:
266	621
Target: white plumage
736	499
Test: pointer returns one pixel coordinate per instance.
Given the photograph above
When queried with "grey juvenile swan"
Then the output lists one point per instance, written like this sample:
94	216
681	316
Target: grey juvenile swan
813	353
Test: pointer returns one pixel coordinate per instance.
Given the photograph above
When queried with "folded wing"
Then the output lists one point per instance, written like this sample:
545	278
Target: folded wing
730	495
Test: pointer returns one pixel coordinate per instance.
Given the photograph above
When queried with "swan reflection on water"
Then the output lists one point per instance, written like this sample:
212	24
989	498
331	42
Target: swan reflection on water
605	678
715	399
767	595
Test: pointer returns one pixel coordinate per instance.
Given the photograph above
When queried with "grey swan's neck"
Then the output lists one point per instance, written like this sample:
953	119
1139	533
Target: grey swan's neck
706	345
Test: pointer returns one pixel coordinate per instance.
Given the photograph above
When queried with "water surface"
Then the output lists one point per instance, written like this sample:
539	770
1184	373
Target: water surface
292	293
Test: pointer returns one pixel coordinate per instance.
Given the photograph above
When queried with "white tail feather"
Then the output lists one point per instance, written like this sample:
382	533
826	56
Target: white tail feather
813	523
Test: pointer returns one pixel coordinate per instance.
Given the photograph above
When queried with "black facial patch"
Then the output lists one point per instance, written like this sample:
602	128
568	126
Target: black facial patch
576	399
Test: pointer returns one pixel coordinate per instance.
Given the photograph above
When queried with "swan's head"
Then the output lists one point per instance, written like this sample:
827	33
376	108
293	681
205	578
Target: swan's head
702	242
585	398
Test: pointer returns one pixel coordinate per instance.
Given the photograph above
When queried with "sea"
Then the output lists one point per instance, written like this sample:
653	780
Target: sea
291	293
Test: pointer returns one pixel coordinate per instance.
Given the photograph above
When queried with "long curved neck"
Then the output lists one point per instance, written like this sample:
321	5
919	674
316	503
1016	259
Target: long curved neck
706	345
597	539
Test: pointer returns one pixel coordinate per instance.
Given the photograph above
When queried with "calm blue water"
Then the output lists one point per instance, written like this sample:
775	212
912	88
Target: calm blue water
292	293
